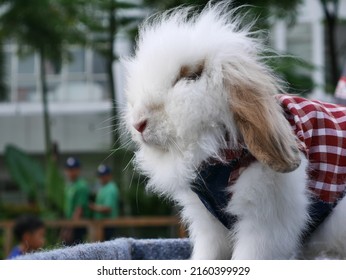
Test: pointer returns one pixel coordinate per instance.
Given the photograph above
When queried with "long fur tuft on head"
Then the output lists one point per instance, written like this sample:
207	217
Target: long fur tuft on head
198	83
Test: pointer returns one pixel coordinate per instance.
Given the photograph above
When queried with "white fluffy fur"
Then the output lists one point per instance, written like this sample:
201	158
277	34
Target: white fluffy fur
186	123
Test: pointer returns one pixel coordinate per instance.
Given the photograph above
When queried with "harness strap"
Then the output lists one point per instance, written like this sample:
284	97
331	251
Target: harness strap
213	179
213	187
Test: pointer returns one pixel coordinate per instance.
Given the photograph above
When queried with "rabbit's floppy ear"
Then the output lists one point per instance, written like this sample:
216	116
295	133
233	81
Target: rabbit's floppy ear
261	123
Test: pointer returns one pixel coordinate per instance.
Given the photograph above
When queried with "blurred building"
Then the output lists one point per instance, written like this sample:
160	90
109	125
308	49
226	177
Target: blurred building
79	101
306	39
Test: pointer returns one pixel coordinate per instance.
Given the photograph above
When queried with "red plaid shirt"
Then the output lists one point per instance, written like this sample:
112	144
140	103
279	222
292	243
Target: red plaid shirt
321	130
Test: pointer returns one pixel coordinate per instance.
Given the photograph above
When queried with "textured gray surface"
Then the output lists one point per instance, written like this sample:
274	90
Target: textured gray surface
119	249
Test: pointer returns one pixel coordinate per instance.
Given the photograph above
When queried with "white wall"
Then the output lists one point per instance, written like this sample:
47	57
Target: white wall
76	128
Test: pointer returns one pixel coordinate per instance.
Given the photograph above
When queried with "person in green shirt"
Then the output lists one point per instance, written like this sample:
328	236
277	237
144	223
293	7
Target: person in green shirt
76	200
106	204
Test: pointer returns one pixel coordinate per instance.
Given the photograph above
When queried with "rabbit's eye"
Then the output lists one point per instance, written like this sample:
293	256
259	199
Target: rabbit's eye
190	72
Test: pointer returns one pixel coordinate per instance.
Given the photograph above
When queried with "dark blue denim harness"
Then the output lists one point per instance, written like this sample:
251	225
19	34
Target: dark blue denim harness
211	186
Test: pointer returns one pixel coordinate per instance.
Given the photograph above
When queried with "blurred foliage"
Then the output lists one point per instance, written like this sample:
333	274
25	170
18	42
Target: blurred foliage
26	173
55	187
263	10
135	200
44	187
293	71
10	211
144	203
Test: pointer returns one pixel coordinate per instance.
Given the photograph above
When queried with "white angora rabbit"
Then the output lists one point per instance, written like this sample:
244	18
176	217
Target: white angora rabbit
258	174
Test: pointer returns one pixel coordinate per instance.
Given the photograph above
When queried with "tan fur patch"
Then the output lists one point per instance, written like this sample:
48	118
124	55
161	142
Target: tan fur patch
264	129
156	107
191	72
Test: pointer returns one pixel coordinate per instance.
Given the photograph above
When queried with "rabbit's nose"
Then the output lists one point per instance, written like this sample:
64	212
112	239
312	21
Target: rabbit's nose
140	126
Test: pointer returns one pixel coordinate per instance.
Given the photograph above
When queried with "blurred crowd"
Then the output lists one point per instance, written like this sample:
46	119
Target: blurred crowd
80	203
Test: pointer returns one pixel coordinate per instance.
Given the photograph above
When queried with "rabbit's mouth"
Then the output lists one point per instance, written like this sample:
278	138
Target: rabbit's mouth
156	139
153	141
154	130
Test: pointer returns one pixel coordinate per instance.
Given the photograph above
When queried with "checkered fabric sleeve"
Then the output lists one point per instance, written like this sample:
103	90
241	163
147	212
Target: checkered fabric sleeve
321	131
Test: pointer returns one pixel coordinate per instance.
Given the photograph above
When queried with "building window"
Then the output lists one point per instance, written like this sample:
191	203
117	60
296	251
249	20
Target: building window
27	89
26	64
299	44
299	41
83	78
77	63
99	63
